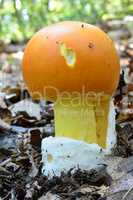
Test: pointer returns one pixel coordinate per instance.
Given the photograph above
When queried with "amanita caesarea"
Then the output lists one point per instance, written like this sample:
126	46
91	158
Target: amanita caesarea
75	65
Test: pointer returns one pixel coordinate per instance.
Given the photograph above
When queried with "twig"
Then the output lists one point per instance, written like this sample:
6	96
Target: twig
6	196
130	189
5	162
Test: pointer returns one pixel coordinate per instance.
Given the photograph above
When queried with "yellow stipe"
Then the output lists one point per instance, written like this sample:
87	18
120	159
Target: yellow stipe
82	122
102	112
76	122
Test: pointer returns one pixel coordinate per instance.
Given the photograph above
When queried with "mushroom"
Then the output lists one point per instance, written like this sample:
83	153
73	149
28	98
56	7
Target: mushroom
75	65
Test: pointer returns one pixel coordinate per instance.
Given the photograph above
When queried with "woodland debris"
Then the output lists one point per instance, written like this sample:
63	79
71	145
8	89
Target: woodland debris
124	145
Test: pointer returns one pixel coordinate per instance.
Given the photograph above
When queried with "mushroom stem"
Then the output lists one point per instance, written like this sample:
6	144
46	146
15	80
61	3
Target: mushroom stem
83	121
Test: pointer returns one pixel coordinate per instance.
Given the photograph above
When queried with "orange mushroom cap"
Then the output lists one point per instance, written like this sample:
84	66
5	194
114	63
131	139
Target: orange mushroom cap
68	56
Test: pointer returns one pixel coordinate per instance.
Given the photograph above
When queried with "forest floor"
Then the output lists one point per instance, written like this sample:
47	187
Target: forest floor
24	123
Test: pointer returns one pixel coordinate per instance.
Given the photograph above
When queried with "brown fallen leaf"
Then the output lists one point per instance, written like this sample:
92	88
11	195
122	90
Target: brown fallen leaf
35	137
124	145
22	119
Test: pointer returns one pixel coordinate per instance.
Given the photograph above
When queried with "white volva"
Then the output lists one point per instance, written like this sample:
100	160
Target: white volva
60	154
111	133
